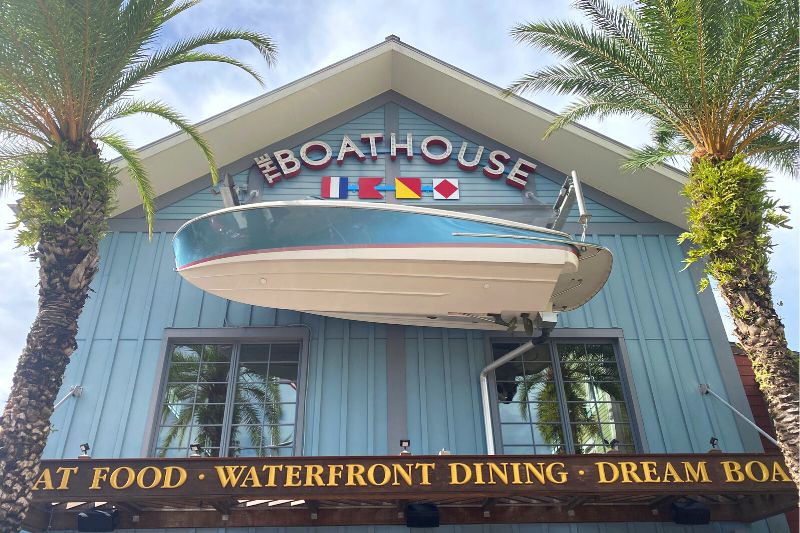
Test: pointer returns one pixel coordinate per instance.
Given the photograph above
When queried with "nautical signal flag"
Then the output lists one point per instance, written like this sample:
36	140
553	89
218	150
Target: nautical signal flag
445	189
367	190
334	187
408	188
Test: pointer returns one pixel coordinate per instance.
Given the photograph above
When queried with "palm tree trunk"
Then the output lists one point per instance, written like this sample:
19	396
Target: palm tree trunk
67	264
761	334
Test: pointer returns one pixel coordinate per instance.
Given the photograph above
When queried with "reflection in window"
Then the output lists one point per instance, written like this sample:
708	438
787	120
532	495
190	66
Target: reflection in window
562	398
232	399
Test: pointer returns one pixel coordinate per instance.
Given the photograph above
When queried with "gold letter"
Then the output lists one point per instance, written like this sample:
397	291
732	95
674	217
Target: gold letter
696	474
314	476
748	469
292	476
777	471
168	483
649	471
454	473
495	470
601	472
65	476
426	469
229	475
404	471
538	474
355	472
562	474
114	479
156	477
670	472
387	474
628	469
334	475
45	479
252	477
98	477
270	469
731	468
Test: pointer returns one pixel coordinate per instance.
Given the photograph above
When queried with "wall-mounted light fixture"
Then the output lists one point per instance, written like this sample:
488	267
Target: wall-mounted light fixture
84	451
197	450
405	444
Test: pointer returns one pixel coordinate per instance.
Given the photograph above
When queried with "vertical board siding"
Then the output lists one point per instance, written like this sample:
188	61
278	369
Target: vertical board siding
137	295
442	397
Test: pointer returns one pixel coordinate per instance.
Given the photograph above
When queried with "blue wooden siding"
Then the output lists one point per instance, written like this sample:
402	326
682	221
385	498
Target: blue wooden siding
137	295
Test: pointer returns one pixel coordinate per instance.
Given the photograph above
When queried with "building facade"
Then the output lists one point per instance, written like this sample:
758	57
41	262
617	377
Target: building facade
163	365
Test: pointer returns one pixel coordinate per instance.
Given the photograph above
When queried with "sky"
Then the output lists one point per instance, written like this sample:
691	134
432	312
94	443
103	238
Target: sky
471	35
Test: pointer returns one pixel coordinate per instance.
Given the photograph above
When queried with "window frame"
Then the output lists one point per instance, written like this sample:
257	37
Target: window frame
613	336
237	337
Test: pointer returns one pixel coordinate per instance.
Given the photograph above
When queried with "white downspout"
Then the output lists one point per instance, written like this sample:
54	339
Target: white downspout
487	407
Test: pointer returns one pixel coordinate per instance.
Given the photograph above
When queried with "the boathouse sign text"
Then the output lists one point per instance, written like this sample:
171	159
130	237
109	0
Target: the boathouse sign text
337	477
435	149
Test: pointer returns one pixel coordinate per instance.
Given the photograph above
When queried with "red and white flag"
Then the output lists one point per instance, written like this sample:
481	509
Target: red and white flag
445	189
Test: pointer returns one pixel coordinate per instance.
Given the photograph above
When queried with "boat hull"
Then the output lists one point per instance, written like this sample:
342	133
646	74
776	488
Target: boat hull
387	264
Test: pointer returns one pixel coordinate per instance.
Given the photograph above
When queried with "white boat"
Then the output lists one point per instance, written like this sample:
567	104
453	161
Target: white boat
389	263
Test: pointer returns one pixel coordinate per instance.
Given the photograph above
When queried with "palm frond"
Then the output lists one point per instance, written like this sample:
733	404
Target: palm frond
137	172
159	109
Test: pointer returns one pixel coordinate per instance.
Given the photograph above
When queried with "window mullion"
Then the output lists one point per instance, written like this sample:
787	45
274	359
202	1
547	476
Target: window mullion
227	420
562	400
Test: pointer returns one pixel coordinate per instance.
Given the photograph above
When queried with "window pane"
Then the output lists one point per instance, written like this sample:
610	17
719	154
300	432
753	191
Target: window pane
174	437
176	414
285	353
180	393
254	353
285	372
186	353
208	413
246	436
544	412
214	372
278	436
250	372
183	372
217	353
513	412
516	434
550	434
211	393
207	436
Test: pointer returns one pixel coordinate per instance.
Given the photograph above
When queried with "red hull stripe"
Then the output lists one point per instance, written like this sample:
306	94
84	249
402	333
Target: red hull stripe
377	246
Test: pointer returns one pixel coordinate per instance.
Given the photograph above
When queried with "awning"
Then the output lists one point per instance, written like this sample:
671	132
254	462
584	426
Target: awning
468	489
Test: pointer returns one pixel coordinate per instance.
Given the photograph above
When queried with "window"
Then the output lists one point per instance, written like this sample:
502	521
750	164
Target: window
231	398
562	397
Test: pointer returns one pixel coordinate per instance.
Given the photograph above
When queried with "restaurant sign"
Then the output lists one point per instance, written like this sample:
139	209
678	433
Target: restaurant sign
405	476
434	149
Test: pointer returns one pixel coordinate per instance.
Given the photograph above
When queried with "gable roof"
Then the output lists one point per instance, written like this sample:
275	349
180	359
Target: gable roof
394	66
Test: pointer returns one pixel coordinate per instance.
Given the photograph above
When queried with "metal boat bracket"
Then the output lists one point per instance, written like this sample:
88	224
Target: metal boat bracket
570	193
546	321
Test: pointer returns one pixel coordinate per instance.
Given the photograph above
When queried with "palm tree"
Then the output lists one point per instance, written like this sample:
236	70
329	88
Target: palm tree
718	81
68	68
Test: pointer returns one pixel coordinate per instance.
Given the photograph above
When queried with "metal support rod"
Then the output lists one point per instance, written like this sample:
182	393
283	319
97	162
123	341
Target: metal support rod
583	213
706	389
487	407
75	390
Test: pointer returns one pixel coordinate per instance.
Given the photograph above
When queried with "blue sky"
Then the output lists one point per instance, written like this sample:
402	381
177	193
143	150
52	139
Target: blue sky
471	35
